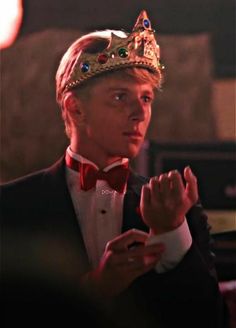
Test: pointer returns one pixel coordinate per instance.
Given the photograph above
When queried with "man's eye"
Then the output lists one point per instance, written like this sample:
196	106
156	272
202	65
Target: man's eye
147	99
120	96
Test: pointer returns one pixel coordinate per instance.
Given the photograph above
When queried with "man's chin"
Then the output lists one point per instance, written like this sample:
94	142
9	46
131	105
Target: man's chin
132	151
129	151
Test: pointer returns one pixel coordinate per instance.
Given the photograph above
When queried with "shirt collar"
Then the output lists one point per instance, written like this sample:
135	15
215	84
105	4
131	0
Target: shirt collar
82	159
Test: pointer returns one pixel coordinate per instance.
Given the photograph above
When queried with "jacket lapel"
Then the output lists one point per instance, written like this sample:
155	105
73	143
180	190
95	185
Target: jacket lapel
61	203
131	211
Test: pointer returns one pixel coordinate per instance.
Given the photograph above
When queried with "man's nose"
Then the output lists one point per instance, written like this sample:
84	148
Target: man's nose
138	110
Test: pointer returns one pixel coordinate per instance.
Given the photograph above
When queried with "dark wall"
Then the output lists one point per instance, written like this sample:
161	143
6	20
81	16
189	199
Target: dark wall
168	16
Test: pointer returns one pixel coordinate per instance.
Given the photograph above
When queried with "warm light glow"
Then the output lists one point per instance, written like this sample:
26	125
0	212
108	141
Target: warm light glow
11	13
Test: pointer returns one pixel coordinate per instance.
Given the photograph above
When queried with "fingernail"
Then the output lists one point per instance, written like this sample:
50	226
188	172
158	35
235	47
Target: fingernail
189	169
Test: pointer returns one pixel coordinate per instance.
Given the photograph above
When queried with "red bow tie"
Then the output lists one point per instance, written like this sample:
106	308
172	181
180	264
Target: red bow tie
115	177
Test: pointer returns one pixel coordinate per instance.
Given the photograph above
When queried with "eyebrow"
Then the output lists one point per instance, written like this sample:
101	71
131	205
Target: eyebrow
127	89
118	88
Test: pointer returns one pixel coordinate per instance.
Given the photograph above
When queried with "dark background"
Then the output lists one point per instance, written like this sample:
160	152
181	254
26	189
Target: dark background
170	16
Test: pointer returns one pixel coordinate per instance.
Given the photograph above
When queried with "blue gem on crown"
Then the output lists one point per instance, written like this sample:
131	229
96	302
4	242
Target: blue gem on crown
84	67
146	23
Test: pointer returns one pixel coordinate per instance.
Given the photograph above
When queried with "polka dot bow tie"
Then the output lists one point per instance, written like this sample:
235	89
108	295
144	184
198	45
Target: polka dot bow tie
116	177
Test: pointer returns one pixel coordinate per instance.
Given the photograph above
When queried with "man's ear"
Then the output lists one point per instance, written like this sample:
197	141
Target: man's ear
72	107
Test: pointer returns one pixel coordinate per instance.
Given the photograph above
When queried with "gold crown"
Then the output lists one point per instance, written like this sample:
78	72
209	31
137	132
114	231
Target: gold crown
138	49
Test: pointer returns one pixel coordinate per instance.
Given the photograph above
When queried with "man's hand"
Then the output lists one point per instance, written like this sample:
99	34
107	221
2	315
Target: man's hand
122	263
165	200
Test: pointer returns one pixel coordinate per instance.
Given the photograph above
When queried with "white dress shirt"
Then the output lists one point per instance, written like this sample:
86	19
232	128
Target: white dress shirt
100	214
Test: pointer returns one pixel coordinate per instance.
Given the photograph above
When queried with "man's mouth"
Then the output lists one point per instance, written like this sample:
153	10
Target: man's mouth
133	134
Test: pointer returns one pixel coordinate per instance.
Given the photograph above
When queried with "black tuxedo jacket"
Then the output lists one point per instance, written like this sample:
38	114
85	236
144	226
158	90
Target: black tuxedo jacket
42	245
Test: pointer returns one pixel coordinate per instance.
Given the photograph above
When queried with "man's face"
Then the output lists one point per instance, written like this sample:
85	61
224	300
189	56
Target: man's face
117	115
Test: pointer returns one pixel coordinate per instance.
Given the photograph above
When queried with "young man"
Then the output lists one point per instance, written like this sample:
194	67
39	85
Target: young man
138	248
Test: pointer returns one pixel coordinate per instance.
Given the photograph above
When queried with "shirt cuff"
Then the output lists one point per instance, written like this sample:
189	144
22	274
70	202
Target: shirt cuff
177	242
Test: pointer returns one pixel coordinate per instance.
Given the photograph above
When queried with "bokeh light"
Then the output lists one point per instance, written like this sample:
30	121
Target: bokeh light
11	13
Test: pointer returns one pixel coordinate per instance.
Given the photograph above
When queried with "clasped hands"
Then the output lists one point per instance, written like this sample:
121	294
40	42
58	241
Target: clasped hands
165	200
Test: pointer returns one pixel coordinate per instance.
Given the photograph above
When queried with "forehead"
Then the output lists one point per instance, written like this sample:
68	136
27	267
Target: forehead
121	79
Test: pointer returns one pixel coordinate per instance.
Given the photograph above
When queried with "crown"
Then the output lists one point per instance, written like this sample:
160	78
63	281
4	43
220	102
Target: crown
138	49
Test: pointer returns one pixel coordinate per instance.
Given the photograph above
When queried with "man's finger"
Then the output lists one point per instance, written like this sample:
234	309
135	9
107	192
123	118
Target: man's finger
191	185
154	190
123	241
145	196
177	186
146	250
164	184
139	254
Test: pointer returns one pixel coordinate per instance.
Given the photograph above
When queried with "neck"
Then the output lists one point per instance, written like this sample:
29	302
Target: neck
97	156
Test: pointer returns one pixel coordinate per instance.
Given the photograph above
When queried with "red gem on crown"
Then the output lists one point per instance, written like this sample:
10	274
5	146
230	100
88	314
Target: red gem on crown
102	58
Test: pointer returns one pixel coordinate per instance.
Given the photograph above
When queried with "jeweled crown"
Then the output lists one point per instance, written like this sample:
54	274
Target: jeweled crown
138	49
